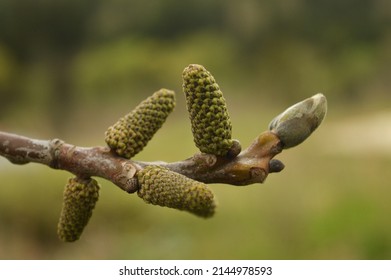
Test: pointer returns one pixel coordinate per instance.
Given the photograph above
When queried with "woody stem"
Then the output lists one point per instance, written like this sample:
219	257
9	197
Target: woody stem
250	166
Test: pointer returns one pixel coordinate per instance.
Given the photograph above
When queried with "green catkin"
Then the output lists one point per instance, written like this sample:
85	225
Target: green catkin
160	186
80	197
131	133
210	122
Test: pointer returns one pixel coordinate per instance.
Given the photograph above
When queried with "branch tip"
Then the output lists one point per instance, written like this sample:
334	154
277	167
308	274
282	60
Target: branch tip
297	123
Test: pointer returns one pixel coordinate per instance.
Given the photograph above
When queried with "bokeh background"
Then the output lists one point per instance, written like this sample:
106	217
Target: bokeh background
69	69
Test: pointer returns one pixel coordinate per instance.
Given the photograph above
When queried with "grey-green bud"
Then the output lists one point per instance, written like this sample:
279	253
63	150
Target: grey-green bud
160	186
296	123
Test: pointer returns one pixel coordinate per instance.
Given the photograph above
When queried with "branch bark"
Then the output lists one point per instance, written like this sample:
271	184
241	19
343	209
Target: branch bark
250	166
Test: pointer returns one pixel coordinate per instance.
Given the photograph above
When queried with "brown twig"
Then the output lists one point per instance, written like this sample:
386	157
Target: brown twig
250	166
236	167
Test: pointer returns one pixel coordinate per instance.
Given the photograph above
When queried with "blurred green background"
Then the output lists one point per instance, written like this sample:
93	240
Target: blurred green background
69	69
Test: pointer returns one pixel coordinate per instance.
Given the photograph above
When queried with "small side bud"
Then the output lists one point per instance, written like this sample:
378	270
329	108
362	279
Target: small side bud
275	166
296	123
210	122
235	149
160	186
80	197
131	133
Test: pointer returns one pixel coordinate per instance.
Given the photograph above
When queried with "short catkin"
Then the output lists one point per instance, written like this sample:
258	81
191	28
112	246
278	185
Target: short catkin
131	133
210	122
79	199
160	186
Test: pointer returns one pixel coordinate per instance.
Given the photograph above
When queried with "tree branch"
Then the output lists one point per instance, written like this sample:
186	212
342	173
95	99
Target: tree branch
234	167
250	166
181	184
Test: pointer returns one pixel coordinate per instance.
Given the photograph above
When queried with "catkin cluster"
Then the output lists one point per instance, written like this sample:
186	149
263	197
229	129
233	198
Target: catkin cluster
210	122
80	197
211	127
160	186
132	132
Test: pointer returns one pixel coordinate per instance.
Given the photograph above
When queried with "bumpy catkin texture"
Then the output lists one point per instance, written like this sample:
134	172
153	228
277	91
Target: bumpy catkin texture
160	186
80	197
210	122
132	132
